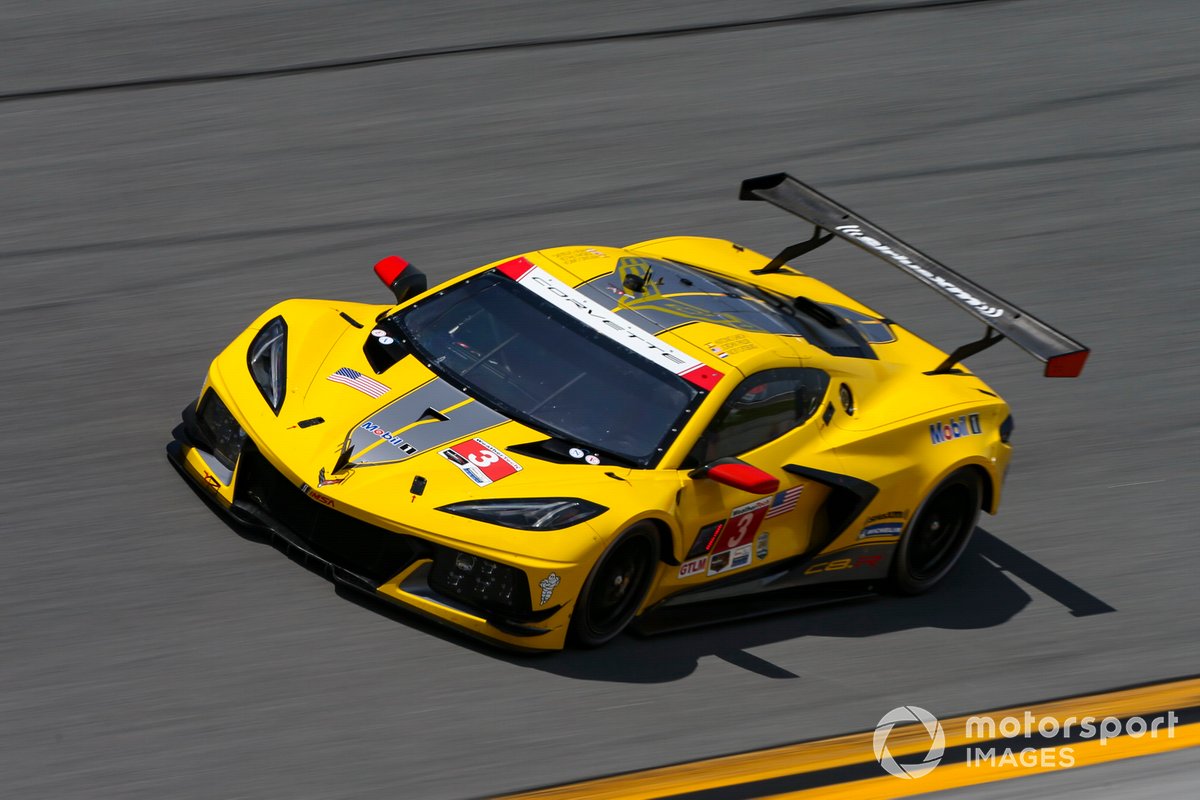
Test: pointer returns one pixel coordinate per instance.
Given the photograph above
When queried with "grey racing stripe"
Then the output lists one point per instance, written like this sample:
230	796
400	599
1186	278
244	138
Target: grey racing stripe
437	395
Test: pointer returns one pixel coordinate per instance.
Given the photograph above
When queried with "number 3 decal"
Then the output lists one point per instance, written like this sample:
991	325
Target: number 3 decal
743	523
481	462
483	458
743	526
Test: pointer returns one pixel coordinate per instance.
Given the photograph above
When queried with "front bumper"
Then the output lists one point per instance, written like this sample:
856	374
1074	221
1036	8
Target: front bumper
350	552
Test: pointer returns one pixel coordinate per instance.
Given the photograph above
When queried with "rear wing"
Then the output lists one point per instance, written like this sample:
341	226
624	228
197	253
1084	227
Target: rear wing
1064	357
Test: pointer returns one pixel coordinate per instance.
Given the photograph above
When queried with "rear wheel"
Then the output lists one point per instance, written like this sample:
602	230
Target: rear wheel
616	587
938	533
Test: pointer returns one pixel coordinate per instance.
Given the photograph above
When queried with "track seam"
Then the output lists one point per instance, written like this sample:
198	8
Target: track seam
381	59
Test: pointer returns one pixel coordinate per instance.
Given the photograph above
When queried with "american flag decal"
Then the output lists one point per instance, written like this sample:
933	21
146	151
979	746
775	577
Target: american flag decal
357	380
785	501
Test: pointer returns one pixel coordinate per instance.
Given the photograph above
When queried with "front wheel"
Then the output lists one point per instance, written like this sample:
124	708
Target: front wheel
938	533
616	587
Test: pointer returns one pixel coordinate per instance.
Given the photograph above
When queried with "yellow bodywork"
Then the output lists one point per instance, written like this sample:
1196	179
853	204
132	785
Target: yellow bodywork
886	442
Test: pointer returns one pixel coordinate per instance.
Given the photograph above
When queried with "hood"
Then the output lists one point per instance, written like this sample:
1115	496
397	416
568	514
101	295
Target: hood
385	446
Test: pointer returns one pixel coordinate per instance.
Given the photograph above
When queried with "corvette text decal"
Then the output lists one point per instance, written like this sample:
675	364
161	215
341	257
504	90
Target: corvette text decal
603	321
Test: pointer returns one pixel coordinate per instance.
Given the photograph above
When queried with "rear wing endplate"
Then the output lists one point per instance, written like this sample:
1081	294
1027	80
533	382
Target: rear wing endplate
1064	357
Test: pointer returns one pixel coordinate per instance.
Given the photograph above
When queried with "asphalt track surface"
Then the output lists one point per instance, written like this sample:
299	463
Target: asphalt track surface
1047	149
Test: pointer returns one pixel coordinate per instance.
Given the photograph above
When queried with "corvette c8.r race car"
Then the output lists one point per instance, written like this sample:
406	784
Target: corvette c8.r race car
550	447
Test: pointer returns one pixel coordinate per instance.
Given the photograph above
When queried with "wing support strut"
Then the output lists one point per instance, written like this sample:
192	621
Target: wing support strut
947	367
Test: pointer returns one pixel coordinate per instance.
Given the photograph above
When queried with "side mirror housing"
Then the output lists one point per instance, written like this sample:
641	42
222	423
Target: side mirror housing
401	277
740	475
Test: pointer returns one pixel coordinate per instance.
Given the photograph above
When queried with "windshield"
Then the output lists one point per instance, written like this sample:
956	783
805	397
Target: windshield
514	351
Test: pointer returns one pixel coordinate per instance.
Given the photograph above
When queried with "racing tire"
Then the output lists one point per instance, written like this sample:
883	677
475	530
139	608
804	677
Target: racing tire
938	533
616	586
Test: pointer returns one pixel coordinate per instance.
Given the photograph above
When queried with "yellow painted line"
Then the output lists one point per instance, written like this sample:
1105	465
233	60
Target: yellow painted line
953	776
777	762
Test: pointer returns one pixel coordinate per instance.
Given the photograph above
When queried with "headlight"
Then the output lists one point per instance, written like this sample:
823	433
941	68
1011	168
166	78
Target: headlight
268	361
535	513
219	430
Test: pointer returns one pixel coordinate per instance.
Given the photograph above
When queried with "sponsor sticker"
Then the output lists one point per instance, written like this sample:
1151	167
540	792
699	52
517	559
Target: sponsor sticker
575	452
577	254
855	232
480	461
742	525
730	559
730	345
383	433
888	515
694	567
547	585
761	544
959	428
323	499
881	529
592	459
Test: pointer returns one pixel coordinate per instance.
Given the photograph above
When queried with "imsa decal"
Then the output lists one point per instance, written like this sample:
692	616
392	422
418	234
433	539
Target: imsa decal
956	428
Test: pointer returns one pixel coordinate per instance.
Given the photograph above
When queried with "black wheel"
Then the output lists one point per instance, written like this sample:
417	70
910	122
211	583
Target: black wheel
616	587
938	533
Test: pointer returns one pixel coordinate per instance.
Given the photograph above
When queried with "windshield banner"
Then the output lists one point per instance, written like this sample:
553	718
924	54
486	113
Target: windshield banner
603	321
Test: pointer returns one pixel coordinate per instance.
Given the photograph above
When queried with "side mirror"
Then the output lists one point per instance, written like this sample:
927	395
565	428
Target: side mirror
401	277
739	475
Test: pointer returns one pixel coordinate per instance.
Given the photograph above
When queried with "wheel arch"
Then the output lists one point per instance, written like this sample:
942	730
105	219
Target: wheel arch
987	480
669	539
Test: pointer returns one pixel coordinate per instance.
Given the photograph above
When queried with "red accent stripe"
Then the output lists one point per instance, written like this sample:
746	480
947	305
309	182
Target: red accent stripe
516	268
1068	365
713	539
703	376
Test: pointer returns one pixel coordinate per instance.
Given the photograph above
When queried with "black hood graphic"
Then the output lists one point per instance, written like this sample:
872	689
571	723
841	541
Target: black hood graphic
432	415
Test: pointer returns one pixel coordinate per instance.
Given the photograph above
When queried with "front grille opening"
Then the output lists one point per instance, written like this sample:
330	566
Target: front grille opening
372	552
494	588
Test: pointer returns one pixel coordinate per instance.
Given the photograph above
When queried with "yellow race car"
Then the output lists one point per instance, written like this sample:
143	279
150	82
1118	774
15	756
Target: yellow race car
552	446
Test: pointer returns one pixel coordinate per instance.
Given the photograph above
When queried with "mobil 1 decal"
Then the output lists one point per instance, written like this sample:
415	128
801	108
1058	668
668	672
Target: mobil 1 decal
955	428
735	543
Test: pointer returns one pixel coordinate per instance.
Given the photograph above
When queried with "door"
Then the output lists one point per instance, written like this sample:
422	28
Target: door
770	420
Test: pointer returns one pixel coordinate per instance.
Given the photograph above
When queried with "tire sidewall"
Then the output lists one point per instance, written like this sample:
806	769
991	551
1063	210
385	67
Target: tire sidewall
902	578
580	633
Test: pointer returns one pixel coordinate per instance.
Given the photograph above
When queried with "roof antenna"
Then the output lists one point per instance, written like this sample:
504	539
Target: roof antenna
635	282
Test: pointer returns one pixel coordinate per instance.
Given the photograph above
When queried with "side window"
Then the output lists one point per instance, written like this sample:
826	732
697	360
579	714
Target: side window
762	408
